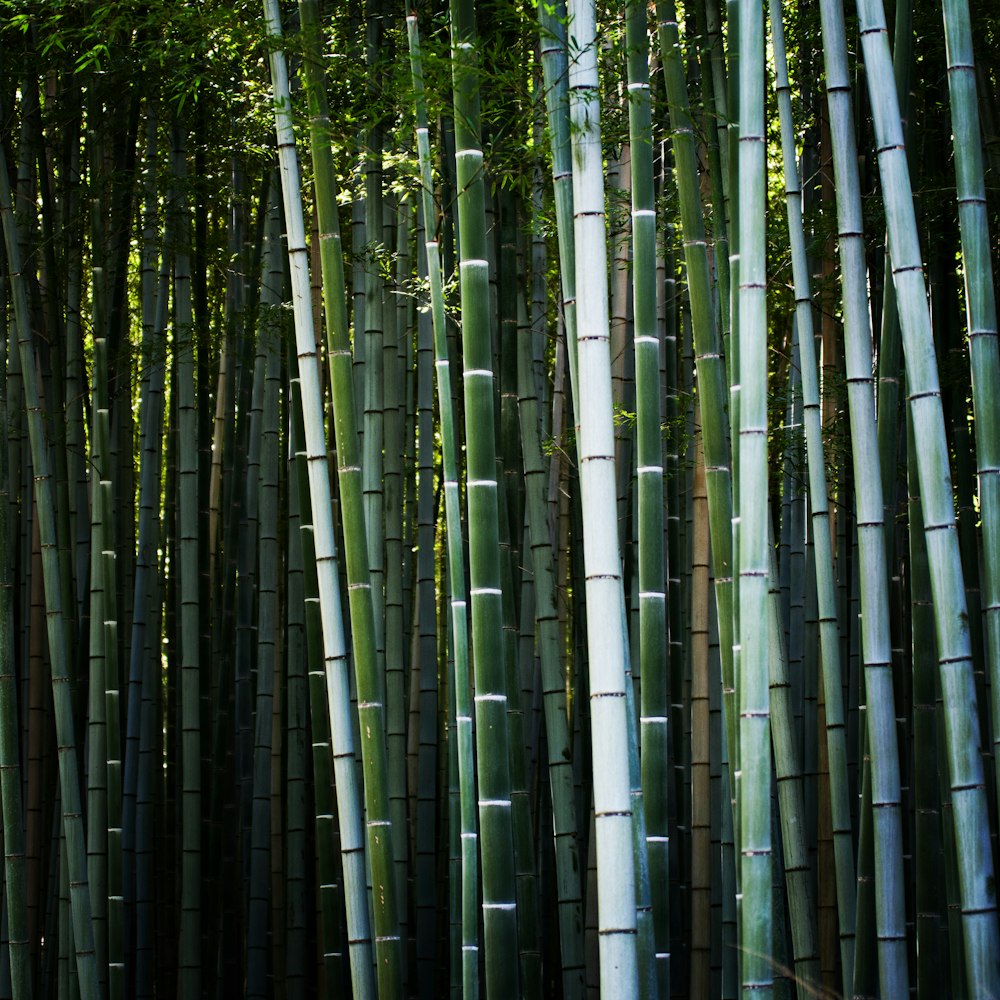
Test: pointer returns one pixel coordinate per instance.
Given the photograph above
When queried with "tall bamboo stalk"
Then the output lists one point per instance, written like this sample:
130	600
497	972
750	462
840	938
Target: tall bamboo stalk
605	638
69	778
819	504
981	934
649	459
352	840
364	629
492	741
458	619
757	939
980	297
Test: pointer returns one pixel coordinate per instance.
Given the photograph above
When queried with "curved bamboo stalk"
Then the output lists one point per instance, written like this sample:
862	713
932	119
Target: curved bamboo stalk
980	297
364	603
819	504
981	933
334	645
875	639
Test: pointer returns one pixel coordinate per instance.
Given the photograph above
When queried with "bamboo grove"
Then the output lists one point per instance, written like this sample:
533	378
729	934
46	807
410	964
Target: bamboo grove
500	499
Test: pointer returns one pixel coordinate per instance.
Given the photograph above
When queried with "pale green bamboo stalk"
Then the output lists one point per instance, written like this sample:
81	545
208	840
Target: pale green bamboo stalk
334	645
890	362
455	551
553	53
875	638
754	792
364	603
819	506
980	298
606	641
981	934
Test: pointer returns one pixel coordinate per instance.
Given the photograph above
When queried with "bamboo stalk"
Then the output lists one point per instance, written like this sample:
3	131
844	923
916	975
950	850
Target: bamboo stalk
605	639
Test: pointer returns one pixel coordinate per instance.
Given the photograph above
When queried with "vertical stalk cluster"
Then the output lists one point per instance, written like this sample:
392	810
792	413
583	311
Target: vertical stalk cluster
555	743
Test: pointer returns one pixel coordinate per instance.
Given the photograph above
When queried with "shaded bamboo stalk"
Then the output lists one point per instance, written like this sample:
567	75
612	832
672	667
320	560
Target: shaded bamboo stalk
352	840
981	933
492	739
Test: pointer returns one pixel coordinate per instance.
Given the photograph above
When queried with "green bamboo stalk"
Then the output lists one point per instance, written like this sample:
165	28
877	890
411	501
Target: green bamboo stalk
334	646
396	667
791	803
981	934
819	506
97	792
875	637
264	482
363	603
546	630
932	965
980	297
649	458
890	362
428	699
136	828
606	641
189	955
554	57
113	764
299	894
701	750
374	328
458	621
757	940
712	388
492	740
10	771
69	781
